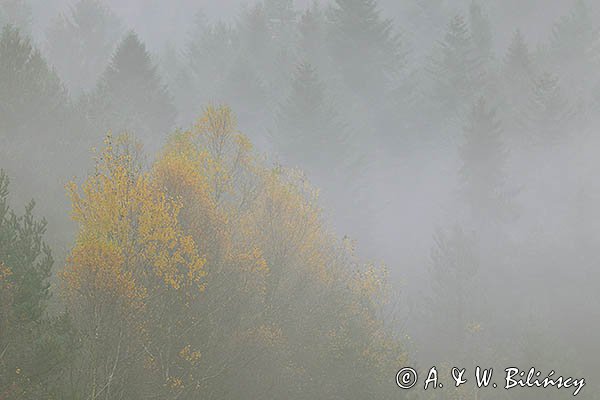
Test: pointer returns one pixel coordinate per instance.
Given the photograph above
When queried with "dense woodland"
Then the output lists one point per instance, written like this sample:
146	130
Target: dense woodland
298	202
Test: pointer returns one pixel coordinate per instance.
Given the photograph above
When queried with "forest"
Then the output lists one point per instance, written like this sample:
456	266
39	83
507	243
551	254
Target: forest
279	199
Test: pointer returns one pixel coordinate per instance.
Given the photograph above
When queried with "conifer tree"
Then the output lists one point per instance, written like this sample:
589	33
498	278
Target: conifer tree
308	133
365	48
81	43
518	75
312	37
456	70
32	98
16	13
574	39
34	347
484	156
481	32
548	113
131	97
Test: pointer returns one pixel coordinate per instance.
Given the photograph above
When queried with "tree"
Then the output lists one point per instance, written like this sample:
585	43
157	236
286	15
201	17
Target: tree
81	43
28	87
484	156
455	69
208	57
481	33
307	131
16	13
185	275
518	73
573	44
548	113
312	29
128	278
454	310
34	346
35	118
130	96
364	46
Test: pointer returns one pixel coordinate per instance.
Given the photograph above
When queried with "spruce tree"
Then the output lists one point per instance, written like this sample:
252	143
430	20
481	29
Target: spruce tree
32	98
207	60
312	37
548	113
308	133
484	156
481	32
365	48
455	69
81	43
517	77
131	97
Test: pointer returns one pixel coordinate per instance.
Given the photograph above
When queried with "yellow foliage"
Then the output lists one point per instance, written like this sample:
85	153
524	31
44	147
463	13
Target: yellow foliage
129	234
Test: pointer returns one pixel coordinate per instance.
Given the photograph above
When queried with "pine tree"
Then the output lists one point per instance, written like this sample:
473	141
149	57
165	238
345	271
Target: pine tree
484	156
364	46
35	348
131	97
81	43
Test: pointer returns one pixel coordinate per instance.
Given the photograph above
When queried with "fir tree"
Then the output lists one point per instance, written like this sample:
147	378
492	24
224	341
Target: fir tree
81	43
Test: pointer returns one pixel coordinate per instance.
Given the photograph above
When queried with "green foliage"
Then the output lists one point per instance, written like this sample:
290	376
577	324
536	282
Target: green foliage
34	349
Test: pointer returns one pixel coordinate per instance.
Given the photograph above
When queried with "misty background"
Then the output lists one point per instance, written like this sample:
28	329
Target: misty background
455	142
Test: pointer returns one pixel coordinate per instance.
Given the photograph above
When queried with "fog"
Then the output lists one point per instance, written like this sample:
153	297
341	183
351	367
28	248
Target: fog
453	145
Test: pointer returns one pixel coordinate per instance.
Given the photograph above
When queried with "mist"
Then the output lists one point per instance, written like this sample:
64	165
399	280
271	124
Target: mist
294	198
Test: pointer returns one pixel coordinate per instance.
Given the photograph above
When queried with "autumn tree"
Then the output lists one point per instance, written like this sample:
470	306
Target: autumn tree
128	278
212	267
